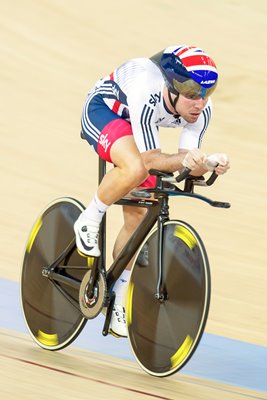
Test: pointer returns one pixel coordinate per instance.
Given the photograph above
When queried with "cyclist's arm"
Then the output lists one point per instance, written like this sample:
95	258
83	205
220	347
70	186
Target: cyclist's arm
169	162
191	138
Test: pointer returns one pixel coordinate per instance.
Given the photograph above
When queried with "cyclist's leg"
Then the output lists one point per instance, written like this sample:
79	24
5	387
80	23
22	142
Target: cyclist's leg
132	216
112	139
129	171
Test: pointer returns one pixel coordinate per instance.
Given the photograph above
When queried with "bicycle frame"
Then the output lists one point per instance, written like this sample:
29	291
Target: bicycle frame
157	210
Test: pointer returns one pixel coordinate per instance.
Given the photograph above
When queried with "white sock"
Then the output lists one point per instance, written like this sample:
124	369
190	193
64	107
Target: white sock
95	210
121	285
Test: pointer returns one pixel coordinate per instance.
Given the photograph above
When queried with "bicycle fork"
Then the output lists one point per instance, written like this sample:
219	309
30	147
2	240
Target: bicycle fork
161	292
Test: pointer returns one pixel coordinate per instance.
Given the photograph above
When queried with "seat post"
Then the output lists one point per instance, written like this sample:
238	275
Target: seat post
102	231
101	169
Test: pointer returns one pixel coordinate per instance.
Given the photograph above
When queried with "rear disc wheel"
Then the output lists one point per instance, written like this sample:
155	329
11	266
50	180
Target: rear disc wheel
51	308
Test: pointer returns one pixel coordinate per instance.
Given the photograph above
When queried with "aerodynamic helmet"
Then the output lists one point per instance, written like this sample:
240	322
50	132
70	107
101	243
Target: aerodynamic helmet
187	70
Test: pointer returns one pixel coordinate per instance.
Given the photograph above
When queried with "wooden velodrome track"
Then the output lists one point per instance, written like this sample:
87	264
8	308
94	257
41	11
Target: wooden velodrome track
52	51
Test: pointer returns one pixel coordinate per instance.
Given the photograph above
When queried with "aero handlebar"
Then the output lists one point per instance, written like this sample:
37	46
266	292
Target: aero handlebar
186	172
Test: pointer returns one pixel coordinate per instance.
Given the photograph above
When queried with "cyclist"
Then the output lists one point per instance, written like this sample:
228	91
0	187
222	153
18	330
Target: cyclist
121	118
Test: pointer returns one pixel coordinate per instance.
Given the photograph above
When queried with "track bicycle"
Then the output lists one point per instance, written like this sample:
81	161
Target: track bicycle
169	289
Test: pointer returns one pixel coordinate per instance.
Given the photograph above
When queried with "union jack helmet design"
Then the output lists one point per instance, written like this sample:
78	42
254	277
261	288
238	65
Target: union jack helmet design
187	70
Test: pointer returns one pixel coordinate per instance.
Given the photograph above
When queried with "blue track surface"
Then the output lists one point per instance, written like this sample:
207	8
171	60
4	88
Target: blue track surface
217	358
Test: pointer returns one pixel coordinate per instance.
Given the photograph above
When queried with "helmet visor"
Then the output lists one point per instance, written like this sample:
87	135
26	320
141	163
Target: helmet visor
192	90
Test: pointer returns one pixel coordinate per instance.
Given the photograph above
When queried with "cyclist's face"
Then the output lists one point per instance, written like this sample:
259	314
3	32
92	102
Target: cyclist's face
190	109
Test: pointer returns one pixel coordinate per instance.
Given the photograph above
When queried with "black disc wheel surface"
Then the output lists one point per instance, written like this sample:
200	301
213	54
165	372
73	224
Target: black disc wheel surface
50	307
164	335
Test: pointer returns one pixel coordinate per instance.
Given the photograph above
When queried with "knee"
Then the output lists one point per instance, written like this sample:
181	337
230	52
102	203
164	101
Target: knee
137	173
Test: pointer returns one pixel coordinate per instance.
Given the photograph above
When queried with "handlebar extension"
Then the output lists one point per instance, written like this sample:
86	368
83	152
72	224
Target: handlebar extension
186	172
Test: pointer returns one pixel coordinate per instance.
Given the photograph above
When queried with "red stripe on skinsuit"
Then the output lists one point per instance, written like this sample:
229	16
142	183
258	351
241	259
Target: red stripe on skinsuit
116	106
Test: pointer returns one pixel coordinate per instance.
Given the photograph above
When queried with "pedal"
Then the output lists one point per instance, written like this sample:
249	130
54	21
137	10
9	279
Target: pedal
110	305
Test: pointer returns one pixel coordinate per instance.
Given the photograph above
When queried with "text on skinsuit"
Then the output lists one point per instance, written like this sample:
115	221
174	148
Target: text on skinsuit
103	141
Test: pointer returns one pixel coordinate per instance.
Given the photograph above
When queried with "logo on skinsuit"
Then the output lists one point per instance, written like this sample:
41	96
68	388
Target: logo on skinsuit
103	141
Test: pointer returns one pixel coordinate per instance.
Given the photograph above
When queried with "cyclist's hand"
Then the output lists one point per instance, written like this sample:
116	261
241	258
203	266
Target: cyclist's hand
193	159
217	162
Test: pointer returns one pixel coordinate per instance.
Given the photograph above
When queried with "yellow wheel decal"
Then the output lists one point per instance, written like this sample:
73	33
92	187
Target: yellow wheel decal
185	235
33	234
129	303
48	339
182	352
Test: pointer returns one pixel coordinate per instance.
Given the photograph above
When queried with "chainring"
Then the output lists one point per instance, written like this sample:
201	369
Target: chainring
91	307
